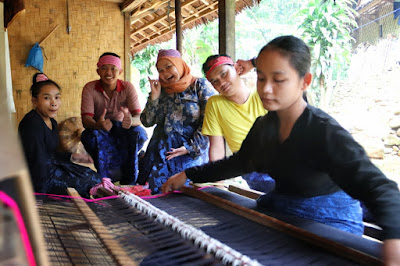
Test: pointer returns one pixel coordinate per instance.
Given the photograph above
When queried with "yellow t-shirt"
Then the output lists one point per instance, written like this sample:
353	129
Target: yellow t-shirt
231	120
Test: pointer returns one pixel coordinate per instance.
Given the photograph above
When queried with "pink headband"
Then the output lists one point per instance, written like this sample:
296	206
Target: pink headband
109	60
41	77
222	60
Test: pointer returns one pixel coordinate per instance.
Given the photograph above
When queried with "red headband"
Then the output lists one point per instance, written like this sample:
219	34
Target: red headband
109	60
222	60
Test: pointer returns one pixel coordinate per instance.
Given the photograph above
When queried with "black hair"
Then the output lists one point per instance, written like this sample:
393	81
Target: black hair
206	66
295	49
38	85
108	53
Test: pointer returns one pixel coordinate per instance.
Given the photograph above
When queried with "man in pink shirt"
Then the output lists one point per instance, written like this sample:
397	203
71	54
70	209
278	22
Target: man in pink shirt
110	112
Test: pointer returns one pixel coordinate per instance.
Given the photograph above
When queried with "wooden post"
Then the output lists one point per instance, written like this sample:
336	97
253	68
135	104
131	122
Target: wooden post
226	16
127	46
178	29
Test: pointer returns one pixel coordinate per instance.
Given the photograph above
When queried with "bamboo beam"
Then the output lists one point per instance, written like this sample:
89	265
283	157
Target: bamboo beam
329	245
114	1
129	5
252	194
139	14
203	13
226	16
115	249
163	17
127	47
178	23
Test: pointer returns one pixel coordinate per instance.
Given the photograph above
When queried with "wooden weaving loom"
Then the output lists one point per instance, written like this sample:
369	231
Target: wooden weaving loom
128	231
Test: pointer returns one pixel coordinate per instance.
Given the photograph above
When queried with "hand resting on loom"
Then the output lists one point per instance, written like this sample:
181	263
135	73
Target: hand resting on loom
321	172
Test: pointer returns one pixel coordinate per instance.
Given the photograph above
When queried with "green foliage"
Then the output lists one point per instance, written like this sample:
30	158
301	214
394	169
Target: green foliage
145	61
257	25
326	28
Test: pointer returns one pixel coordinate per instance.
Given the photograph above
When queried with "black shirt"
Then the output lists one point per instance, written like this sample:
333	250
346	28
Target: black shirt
319	157
40	144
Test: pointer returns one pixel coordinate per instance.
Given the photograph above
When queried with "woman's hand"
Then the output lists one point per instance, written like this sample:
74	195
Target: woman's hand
174	182
176	152
155	88
81	158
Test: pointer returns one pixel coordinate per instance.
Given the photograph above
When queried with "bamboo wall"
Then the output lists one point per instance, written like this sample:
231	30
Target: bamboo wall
369	28
96	27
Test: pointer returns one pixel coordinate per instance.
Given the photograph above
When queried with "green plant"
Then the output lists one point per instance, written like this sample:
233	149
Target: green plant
144	61
326	27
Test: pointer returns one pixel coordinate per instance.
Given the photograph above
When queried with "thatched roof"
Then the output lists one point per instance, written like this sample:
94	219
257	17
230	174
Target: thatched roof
153	21
370	7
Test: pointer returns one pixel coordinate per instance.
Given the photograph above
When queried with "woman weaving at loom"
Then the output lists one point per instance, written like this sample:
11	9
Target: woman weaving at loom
316	163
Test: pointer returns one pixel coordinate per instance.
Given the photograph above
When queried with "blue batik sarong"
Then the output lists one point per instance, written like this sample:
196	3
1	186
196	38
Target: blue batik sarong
260	182
64	174
337	209
156	169
115	152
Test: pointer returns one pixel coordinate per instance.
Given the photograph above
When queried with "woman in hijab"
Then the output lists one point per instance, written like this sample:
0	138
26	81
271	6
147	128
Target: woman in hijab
176	105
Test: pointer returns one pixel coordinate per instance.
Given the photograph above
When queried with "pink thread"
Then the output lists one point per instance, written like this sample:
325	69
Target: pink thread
20	222
54	196
162	195
109	60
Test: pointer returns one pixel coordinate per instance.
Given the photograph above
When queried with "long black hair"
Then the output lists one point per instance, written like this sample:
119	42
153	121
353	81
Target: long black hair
293	48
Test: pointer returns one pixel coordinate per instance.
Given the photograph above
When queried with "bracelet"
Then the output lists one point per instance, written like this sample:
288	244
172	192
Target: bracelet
253	61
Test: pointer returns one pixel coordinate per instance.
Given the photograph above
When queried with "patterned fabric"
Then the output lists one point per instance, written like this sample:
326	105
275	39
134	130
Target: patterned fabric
179	119
115	153
337	209
168	53
259	181
66	174
51	171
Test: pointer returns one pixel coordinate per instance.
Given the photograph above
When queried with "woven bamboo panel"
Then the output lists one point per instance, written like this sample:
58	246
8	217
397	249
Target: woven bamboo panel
96	27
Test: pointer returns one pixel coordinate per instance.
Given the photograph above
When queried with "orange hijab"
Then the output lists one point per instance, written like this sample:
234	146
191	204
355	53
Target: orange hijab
184	72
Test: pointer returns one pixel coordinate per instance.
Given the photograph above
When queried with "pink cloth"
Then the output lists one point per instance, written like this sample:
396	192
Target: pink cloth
168	53
107	184
95	100
109	60
41	77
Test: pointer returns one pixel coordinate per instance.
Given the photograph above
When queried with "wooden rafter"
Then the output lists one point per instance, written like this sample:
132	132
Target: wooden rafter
152	21
141	13
114	1
129	5
160	19
201	13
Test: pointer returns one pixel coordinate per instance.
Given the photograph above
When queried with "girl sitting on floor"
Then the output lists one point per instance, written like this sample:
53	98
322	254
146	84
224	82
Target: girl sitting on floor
51	171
